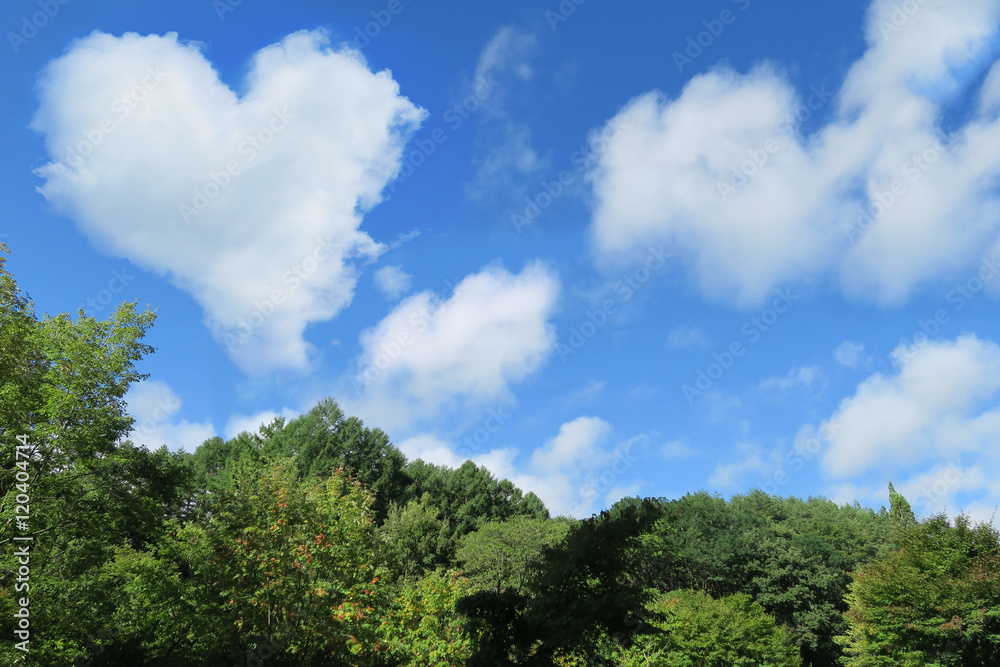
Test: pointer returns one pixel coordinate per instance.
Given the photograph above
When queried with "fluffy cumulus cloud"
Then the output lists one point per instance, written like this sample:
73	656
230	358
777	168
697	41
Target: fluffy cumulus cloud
251	202
580	469
154	404
932	427
575	473
431	449
392	281
431	352
942	402
881	196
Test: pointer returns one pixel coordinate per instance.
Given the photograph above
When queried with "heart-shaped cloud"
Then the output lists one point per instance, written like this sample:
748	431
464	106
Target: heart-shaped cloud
251	202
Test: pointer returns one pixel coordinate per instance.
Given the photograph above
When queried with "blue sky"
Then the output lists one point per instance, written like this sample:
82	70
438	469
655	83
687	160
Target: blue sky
603	250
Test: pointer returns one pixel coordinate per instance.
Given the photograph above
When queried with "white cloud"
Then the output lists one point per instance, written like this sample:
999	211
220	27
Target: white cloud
588	393
677	449
941	403
153	404
237	424
427	353
751	459
619	492
314	138
659	178
505	154
803	376
430	449
510	50
404	238
685	337
392	281
573	473
849	353
566	471
641	392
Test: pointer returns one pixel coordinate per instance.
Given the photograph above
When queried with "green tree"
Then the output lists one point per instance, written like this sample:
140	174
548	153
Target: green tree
324	439
731	631
422	626
587	589
471	496
417	539
294	561
899	509
63	384
933	599
503	554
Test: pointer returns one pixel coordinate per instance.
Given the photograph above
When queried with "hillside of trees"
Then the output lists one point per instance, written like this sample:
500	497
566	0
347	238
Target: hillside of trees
314	541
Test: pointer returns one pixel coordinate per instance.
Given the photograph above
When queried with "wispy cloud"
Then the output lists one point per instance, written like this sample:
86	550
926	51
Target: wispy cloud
392	281
505	156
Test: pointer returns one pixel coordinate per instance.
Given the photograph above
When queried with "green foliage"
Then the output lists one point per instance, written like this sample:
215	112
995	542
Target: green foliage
789	555
504	554
899	509
589	586
417	539
294	556
470	496
323	440
315	542
934	599
422	626
63	384
699	630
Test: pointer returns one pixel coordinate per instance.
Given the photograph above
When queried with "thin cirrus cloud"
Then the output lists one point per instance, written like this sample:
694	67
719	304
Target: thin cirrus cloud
880	197
804	377
154	158
505	156
849	353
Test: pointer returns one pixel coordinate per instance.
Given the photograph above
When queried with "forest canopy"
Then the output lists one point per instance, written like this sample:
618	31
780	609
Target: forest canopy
315	541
